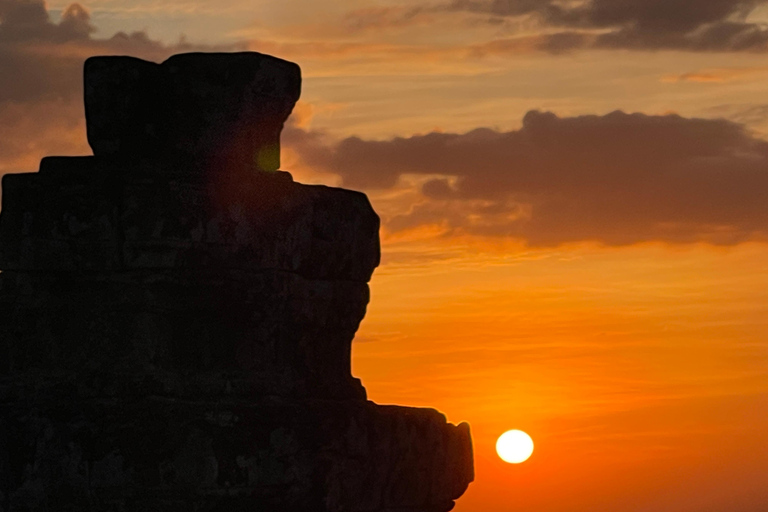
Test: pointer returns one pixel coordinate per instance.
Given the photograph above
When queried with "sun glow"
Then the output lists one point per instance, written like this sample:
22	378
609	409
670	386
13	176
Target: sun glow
514	446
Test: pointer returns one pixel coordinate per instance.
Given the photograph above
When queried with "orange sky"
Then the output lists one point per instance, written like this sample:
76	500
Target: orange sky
596	278
639	372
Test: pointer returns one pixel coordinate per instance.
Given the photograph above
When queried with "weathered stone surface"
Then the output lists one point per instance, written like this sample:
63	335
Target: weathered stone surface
124	97
66	221
81	214
224	110
248	334
176	317
228	455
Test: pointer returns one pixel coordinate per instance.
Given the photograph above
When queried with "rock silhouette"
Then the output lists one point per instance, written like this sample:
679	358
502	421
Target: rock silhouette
220	110
176	315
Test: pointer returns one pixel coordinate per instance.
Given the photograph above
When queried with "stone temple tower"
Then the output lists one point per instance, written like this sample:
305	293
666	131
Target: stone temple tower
176	315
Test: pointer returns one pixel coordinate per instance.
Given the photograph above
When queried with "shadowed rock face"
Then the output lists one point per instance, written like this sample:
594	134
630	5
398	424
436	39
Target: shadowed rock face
224	110
176	316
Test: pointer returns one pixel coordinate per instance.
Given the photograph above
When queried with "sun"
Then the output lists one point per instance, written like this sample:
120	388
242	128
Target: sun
514	446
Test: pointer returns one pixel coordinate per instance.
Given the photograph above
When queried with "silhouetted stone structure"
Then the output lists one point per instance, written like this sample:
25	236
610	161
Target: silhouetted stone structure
176	315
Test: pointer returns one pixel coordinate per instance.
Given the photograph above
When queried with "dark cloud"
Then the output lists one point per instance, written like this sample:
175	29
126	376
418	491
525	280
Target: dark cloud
692	25
557	26
25	20
661	16
15	14
616	179
716	37
678	16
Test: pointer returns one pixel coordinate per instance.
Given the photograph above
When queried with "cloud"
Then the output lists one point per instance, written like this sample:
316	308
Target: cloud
42	66
615	179
722	36
557	25
652	16
694	25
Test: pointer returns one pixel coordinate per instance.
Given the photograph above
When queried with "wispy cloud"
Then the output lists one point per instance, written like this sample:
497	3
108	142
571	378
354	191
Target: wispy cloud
716	75
556	26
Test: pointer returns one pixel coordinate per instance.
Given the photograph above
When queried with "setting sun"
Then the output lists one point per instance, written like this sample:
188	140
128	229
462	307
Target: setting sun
514	446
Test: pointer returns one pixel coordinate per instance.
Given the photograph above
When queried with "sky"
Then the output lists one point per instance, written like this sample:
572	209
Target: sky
574	204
